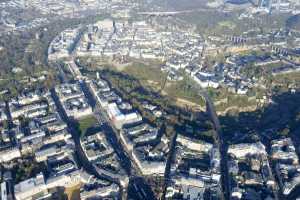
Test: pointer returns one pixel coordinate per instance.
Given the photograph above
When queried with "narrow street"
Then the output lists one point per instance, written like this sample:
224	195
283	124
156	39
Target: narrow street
143	191
82	160
169	163
210	109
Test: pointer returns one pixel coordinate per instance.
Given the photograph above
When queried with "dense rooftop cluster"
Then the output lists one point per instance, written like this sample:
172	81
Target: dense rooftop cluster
147	148
73	100
39	132
46	11
99	151
42	151
195	172
283	153
250	174
183	50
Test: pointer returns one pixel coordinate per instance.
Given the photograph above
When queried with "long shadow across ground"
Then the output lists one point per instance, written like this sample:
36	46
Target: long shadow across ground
279	119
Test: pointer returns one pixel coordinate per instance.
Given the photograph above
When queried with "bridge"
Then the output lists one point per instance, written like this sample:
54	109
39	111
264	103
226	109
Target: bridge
169	13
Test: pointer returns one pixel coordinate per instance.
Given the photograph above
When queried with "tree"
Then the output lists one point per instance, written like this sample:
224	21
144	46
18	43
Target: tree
285	132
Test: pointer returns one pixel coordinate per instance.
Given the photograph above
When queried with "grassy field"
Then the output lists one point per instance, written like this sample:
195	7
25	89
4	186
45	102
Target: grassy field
290	78
183	90
151	76
227	24
145	73
86	123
